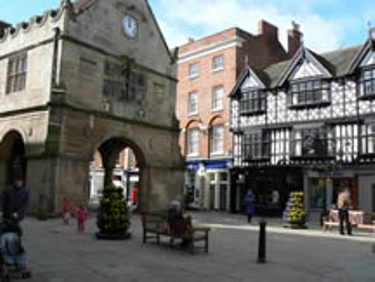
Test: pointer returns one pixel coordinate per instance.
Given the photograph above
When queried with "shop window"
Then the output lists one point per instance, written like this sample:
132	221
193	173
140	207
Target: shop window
223	176
317	192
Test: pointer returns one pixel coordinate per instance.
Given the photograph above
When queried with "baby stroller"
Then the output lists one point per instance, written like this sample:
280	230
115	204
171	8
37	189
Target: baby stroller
12	254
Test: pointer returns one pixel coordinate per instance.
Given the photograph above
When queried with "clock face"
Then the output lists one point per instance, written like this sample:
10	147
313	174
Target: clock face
130	26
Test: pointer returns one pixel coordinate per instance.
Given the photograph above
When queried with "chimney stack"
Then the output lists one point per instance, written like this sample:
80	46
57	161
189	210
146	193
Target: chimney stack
294	39
268	30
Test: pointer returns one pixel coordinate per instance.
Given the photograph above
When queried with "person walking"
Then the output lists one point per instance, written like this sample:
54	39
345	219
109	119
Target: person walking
82	215
14	203
15	200
343	204
66	210
249	205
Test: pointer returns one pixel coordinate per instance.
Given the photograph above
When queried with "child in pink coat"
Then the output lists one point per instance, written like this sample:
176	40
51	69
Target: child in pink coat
66	210
81	214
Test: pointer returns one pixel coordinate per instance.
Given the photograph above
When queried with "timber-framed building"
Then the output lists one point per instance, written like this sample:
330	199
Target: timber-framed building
306	124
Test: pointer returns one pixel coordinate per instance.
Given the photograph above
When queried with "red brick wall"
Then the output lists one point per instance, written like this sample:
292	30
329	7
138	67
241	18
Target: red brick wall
261	51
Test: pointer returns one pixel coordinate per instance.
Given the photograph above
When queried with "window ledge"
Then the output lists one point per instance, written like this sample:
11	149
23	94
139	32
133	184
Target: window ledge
193	76
310	105
193	155
217	110
252	113
217	70
193	114
220	153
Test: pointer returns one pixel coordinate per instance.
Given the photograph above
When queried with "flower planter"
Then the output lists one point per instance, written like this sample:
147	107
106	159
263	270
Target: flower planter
113	218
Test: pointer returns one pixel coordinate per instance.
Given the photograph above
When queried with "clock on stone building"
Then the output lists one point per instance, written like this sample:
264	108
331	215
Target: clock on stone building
130	26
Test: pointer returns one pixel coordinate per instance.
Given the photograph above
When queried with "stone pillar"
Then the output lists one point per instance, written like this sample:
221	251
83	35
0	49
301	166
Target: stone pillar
108	173
159	186
49	180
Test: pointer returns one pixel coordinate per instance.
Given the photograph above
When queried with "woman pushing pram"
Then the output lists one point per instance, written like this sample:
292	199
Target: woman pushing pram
14	203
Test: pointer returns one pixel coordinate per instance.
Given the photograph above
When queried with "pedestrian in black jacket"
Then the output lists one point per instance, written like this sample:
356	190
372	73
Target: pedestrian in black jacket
15	200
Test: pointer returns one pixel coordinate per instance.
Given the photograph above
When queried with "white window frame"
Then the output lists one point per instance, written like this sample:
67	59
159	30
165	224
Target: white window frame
194	70
193	103
217	139
218	65
217	103
192	136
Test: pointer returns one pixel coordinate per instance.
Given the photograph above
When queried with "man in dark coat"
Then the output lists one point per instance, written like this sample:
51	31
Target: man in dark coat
249	202
15	200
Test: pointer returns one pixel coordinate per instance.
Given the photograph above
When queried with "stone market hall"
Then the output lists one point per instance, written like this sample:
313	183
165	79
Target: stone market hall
90	76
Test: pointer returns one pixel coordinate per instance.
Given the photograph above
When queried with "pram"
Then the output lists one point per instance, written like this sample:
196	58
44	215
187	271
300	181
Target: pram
12	254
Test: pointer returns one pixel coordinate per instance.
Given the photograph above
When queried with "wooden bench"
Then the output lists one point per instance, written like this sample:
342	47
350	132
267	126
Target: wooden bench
157	224
358	219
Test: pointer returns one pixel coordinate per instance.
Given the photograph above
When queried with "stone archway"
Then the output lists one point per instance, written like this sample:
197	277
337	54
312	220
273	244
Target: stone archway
109	155
12	157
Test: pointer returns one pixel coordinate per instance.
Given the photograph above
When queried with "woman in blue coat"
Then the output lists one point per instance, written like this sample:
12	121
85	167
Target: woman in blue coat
249	201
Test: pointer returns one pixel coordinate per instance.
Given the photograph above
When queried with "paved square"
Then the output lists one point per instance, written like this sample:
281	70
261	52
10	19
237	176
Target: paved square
57	253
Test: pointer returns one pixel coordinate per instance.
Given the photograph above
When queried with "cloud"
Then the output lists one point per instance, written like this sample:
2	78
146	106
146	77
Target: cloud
195	18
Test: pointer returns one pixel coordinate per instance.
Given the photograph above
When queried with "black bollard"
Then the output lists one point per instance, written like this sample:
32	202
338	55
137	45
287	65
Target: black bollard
262	242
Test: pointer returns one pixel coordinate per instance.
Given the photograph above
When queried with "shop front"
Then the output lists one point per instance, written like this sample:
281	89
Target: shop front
322	189
207	184
270	185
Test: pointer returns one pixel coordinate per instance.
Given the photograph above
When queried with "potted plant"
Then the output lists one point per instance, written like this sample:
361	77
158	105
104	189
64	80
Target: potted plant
113	218
295	214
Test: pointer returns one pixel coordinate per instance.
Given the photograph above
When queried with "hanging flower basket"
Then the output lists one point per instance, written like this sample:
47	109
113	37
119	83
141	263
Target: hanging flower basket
113	218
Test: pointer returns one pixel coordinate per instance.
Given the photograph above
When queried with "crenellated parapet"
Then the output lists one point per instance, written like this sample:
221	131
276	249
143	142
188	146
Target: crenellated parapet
36	30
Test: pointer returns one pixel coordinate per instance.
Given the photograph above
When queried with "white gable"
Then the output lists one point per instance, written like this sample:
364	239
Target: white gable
251	82
307	69
369	59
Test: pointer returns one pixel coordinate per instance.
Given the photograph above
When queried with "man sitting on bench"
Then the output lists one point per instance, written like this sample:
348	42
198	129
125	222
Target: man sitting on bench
178	224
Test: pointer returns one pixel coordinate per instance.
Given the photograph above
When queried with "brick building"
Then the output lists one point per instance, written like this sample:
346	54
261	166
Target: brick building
207	71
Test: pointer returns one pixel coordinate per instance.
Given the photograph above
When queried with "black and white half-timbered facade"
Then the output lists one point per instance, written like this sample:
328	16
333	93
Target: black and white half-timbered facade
306	124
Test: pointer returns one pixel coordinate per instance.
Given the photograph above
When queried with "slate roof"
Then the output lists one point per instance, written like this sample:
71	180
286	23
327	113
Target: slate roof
338	63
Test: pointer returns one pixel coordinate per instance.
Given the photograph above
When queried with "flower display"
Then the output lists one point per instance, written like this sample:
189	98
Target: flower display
294	212
113	215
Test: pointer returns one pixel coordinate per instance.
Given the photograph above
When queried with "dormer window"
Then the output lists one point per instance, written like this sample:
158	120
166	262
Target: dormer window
309	93
367	84
253	102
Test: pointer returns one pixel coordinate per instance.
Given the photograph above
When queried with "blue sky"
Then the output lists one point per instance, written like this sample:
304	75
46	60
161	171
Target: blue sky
326	24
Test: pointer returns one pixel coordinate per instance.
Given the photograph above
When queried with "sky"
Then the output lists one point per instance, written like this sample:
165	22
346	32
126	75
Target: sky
326	24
